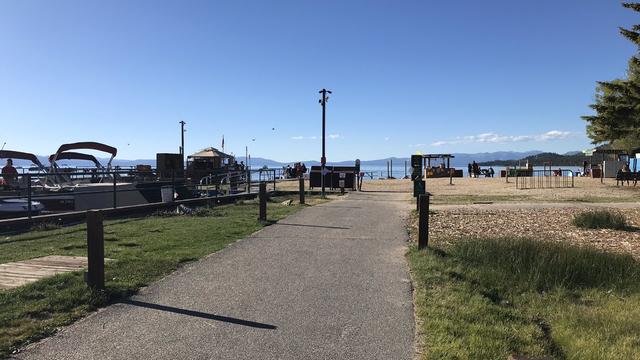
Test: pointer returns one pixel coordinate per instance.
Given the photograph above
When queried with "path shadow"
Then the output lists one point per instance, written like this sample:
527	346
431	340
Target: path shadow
315	226
199	314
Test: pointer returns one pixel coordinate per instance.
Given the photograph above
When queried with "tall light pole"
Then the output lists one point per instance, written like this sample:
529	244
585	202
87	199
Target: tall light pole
323	160
182	123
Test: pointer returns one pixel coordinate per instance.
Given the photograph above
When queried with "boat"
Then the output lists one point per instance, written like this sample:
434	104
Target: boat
13	202
91	188
12	208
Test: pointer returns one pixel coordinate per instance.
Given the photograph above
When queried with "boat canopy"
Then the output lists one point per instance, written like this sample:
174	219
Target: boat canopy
86	145
10	154
70	155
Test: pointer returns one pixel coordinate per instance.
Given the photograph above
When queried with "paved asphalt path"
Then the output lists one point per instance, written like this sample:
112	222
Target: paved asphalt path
329	282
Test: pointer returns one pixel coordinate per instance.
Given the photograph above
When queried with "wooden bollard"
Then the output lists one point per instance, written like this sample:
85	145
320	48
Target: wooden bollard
423	221
301	190
263	201
95	249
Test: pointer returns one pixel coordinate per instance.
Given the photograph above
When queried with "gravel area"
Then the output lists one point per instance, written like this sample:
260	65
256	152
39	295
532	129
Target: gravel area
552	224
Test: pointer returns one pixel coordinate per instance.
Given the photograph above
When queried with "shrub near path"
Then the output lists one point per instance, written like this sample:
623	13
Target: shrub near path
143	250
491	298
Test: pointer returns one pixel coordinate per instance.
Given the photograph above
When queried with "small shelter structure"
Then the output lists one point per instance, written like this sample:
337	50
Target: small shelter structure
207	161
444	169
611	160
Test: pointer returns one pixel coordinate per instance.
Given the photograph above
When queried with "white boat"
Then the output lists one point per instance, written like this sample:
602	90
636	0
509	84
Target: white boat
11	208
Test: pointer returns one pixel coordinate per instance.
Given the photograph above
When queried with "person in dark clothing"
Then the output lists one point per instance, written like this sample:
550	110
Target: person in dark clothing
9	173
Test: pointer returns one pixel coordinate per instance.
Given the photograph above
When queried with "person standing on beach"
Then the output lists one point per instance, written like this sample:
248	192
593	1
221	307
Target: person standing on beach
469	169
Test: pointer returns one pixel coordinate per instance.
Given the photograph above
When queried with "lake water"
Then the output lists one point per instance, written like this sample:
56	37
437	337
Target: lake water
399	170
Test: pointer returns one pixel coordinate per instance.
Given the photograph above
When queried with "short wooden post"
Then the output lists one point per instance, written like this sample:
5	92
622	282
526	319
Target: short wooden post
263	201
301	189
95	249
423	222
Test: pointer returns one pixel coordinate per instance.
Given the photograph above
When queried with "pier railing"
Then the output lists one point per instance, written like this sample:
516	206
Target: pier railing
544	179
33	193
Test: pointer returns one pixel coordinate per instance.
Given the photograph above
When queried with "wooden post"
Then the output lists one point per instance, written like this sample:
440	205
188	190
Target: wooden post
95	249
423	222
263	201
301	189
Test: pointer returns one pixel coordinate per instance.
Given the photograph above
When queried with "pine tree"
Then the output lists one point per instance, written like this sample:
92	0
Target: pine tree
617	106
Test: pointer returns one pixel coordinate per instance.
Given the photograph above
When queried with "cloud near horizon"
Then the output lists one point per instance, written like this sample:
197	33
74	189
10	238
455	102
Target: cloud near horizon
494	138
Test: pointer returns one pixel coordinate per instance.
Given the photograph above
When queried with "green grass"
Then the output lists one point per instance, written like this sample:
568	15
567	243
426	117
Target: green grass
600	219
488	299
143	250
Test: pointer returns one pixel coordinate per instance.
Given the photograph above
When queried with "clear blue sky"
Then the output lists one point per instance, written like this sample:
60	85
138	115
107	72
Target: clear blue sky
407	76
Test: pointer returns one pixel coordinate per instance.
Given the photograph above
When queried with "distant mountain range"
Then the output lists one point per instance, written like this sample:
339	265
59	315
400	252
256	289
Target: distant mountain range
573	158
459	160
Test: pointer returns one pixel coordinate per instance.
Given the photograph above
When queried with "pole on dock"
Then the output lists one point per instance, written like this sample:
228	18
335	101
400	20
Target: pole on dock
423	222
95	249
263	201
173	186
405	169
115	191
248	181
301	189
29	194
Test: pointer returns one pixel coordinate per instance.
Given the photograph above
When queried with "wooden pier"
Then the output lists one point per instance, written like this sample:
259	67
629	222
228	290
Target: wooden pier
20	273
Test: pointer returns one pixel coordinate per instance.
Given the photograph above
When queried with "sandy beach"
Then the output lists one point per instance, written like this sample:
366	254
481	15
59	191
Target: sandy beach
492	207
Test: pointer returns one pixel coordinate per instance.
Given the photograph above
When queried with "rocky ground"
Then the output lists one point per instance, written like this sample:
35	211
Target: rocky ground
552	224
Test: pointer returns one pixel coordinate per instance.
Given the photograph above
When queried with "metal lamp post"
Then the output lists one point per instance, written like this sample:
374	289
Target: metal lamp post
323	160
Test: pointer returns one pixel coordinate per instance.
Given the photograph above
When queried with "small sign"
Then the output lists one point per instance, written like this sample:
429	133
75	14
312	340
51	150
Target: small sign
341	183
343	175
416	161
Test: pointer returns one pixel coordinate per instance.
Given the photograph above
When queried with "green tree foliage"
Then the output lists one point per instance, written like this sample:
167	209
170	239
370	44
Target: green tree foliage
617	106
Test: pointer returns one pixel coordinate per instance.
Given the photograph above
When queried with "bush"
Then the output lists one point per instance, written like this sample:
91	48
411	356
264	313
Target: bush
600	219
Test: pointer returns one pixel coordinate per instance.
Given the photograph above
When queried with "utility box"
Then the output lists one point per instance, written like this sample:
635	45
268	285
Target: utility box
332	177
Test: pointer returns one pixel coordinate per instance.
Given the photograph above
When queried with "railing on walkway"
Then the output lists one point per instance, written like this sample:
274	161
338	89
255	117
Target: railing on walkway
30	194
544	179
